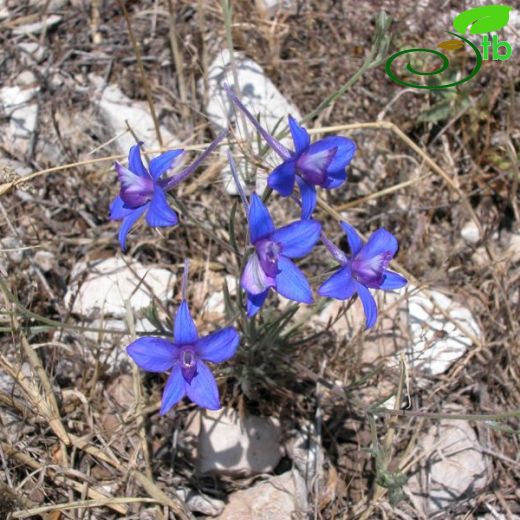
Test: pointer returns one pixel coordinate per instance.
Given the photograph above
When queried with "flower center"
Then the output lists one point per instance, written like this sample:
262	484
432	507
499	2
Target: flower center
188	363
269	253
370	271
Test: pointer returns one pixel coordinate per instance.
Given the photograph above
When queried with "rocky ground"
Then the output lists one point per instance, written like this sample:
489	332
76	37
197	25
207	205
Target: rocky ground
301	433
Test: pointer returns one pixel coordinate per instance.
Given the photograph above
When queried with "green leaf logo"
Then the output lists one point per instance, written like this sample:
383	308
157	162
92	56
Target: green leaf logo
487	18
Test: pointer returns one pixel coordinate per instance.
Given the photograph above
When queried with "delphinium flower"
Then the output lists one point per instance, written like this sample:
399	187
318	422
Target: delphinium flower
186	356
144	191
322	163
364	269
269	266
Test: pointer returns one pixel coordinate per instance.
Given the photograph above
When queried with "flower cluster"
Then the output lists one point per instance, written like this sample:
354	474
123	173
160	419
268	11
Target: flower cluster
270	263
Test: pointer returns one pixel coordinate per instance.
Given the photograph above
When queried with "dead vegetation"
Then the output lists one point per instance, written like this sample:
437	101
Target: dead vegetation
82	430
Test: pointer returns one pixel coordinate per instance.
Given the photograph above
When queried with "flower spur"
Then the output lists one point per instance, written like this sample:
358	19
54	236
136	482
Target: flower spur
322	163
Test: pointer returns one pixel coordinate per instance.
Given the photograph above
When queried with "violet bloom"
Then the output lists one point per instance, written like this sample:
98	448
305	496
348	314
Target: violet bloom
270	267
143	190
365	269
321	163
185	355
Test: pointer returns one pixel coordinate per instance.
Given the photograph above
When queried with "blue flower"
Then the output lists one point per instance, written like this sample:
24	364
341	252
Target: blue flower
321	163
269	266
365	269
185	355
143	190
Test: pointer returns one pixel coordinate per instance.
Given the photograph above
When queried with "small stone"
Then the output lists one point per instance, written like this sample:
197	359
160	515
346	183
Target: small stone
31	51
452	468
37	27
116	109
260	96
26	78
282	498
12	249
199	503
103	291
436	340
470	232
45	260
17	104
273	7
225	444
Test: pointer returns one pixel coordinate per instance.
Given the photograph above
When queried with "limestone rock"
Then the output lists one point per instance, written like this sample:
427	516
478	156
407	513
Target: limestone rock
225	444
260	96
107	284
282	498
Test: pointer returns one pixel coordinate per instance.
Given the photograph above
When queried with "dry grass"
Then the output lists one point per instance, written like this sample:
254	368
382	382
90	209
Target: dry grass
71	435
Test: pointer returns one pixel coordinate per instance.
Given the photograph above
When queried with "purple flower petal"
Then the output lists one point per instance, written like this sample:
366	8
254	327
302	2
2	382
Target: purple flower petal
354	240
153	354
298	239
308	196
312	165
254	279
392	281
135	163
118	210
135	190
127	223
203	388
335	179
299	135
340	285
260	222
369	305
345	150
380	241
159	213
163	162
184	330
282	177
255	302
291	283
174	390
218	346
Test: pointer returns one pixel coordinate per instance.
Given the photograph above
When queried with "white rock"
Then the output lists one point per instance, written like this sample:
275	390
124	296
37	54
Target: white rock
307	455
280	498
22	112
31	50
110	282
12	249
470	232
37	27
453	468
225	444
413	325
513	248
260	96
437	342
45	260
273	7
26	78
116	109
199	503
